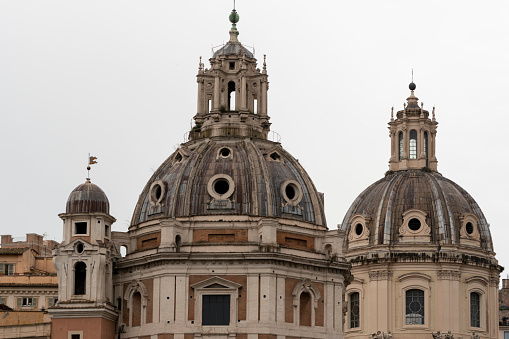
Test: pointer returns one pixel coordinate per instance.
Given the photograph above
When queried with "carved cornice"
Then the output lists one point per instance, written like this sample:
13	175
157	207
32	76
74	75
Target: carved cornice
448	275
380	275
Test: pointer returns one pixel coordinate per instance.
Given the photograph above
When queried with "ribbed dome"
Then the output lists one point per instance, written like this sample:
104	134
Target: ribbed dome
444	203
233	48
230	176
87	198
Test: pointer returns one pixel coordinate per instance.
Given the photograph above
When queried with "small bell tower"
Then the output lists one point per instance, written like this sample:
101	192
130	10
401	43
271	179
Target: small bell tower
84	265
413	136
232	94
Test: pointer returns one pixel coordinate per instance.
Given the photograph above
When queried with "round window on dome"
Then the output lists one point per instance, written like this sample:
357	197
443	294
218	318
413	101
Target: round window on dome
157	192
414	224
220	186
469	227
292	192
225	152
358	229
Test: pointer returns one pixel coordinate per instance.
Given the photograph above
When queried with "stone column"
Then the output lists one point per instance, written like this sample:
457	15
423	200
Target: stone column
263	106
201	98
216	93
243	94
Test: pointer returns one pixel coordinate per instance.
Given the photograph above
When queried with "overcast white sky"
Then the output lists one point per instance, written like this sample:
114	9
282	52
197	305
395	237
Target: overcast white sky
117	79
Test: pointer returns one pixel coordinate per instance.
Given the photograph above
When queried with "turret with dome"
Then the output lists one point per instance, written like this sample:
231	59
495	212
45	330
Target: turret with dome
419	245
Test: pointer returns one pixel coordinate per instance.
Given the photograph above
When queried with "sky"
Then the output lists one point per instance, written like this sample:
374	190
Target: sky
117	79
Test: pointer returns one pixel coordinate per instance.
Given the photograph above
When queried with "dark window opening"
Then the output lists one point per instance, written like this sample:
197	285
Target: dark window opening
79	248
106	230
216	310
414	224
231	96
274	156
413	144
178	243
119	304
80	278
75	336
400	137
80	228
178	157
305	309
358	229
221	186
354	310
475	309
232	65
290	192
470	228
225	152
414	309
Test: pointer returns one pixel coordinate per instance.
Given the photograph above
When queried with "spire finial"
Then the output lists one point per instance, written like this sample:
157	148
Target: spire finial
392	113
91	161
412	85
234	18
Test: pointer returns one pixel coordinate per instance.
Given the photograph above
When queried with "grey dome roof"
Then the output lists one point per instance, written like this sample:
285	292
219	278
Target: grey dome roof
258	180
443	201
87	198
233	48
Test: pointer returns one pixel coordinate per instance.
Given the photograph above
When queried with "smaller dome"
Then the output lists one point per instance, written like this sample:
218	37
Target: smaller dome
87	198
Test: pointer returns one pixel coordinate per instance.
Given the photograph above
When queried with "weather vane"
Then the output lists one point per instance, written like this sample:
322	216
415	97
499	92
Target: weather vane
91	161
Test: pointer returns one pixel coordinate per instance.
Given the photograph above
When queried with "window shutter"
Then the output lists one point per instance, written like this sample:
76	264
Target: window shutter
19	302
34	302
10	269
2	269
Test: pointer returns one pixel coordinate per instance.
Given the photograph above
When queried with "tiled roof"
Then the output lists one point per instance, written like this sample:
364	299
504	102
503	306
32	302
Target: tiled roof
13	250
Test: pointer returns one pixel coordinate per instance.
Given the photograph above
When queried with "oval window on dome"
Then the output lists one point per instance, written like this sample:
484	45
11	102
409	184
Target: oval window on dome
292	192
358	229
220	186
79	248
157	191
414	224
469	227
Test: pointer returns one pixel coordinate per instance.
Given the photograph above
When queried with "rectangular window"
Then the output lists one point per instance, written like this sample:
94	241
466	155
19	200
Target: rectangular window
6	269
255	106
475	309
216	310
506	335
3	300
106	230
414	307
28	302
80	228
232	65
354	310
75	336
52	301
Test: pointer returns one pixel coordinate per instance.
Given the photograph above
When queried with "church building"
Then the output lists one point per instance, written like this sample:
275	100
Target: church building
229	238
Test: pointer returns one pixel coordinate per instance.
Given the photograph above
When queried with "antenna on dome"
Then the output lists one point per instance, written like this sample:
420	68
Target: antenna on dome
91	161
412	75
234	4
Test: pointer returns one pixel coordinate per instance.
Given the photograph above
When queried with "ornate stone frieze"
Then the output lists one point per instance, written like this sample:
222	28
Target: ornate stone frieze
449	275
380	275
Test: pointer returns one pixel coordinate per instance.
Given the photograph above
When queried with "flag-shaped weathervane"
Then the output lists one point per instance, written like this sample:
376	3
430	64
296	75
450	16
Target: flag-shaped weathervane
91	161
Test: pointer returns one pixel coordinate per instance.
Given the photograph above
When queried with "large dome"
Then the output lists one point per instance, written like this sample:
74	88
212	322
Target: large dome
87	198
447	209
230	176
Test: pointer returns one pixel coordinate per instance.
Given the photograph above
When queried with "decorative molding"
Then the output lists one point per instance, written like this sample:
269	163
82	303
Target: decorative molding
448	275
380	275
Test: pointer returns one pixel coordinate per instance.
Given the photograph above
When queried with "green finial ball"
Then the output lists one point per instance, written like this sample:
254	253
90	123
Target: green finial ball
234	17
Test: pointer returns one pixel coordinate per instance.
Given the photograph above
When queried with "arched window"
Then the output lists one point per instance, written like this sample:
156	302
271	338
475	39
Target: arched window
136	309
354	310
414	307
231	97
178	243
475	309
305	309
413	144
80	278
400	143
123	251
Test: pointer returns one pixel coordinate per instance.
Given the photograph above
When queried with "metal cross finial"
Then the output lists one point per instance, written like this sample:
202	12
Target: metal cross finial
412	75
